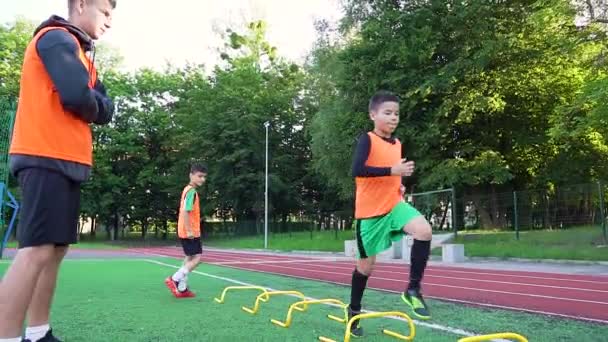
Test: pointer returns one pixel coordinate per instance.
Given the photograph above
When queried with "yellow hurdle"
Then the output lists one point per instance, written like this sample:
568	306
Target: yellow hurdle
240	288
264	297
361	317
507	335
303	306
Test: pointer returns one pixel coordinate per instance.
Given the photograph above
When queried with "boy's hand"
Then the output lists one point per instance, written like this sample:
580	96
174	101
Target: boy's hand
402	190
403	168
100	87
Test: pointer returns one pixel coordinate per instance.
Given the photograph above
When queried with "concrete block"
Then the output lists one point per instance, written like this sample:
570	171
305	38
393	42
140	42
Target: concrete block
406	247
452	253
397	249
350	248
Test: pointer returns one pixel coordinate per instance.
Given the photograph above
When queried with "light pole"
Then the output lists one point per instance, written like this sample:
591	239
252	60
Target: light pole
266	125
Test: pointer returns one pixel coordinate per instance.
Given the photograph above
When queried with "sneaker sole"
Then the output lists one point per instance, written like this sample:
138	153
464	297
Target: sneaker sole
182	296
171	287
356	336
425	318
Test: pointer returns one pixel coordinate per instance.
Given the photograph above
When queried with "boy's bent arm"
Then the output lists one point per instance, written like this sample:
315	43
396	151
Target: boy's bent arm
188	207
187	224
60	56
104	104
360	169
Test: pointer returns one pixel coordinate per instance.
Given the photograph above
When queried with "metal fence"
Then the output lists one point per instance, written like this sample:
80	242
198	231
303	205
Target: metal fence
555	208
558	208
563	207
302	223
7	200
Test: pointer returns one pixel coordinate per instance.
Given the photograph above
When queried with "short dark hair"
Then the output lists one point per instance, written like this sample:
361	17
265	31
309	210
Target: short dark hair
198	168
380	97
71	4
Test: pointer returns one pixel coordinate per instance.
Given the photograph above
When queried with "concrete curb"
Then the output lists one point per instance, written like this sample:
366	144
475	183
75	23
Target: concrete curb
432	257
540	261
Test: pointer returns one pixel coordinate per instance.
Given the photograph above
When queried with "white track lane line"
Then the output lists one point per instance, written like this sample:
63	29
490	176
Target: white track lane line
435	326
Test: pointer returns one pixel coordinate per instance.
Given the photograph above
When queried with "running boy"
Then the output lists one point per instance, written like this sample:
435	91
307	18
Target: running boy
189	233
381	213
51	155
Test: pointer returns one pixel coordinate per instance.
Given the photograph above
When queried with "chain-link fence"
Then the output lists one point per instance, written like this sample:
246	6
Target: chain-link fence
477	209
7	116
436	206
564	207
322	222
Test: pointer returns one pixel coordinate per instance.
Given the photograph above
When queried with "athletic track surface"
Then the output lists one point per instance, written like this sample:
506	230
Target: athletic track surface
582	297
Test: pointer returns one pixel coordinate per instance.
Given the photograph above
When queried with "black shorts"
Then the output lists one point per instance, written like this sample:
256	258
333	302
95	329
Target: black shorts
192	246
50	207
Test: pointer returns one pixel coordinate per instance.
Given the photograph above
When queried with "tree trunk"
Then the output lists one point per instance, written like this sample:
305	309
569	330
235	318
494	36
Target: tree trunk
116	226
165	230
547	222
498	219
284	223
80	227
485	219
108	228
93	227
144	228
445	214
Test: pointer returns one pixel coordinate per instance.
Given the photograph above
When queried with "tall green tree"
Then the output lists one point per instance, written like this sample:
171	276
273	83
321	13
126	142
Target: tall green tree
224	122
481	86
14	37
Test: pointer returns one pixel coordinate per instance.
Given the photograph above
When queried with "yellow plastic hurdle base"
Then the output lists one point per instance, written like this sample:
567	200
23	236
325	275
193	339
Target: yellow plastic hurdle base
507	335
264	297
241	288
361	317
303	306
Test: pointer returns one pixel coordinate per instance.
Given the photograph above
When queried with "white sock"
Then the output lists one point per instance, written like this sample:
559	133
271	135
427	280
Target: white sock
35	333
182	285
15	339
180	274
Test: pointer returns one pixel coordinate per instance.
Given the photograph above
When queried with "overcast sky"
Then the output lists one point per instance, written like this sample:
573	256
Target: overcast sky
183	30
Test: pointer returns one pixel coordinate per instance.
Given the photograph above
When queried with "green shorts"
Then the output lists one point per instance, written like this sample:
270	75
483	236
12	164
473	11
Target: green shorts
376	234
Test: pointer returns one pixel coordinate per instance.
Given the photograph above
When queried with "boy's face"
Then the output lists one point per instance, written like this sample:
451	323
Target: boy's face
94	16
386	117
198	178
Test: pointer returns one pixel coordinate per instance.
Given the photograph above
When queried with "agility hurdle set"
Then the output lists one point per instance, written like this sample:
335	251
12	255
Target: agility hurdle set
342	318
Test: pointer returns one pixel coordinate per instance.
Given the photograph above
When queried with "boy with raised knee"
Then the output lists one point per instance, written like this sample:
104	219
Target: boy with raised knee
382	216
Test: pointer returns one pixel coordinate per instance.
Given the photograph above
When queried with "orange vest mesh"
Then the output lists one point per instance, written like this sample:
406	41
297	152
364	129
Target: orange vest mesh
377	196
194	216
42	127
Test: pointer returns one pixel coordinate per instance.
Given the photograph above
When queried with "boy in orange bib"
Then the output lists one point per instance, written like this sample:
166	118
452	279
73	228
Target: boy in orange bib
189	233
382	216
51	155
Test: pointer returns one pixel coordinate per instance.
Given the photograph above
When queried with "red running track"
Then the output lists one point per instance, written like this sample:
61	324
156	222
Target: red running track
572	296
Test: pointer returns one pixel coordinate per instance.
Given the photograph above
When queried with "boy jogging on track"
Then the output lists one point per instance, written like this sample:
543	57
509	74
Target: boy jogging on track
51	154
189	233
381	213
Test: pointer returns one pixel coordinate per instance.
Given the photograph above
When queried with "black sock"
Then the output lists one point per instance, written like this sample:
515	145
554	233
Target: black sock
359	283
419	257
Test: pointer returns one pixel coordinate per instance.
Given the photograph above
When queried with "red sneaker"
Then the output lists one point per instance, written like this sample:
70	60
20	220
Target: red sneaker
185	294
171	286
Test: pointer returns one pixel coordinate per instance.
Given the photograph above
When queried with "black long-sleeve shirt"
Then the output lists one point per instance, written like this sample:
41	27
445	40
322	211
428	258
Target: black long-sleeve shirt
59	54
360	169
